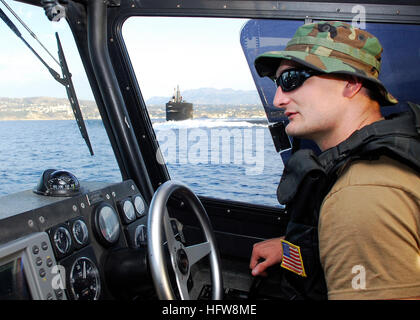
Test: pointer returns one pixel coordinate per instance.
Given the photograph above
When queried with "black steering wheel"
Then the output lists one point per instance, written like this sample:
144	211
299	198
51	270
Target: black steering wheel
182	258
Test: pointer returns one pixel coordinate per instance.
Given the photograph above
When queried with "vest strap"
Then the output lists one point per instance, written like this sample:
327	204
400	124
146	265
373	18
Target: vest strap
416	110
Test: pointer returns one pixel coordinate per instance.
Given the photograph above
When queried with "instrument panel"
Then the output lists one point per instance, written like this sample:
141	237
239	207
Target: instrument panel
82	231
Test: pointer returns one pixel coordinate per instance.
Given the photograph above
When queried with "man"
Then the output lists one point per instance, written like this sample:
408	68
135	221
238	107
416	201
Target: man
361	195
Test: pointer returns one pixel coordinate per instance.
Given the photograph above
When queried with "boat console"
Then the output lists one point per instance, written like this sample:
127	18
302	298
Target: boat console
55	249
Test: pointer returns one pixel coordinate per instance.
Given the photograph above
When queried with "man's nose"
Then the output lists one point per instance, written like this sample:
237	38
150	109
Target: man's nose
280	98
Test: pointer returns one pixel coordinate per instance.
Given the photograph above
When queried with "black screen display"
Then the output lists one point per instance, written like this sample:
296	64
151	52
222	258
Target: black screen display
13	284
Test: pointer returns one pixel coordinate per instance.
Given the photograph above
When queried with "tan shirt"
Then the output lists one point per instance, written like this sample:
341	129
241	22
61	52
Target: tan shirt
369	232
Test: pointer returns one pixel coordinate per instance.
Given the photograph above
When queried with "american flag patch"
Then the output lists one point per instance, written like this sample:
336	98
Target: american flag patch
292	259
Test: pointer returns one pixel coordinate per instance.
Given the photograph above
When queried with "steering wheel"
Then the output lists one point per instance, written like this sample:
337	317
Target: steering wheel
182	258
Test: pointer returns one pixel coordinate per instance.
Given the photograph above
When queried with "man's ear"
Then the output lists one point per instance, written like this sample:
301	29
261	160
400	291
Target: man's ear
352	86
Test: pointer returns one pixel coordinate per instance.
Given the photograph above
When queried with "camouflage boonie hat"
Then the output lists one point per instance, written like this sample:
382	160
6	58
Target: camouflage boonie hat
332	47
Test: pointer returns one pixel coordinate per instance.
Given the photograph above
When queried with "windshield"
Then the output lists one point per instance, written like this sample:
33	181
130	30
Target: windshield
37	126
207	115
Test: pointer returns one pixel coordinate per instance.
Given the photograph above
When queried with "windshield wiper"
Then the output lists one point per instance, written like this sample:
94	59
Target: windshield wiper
71	94
65	80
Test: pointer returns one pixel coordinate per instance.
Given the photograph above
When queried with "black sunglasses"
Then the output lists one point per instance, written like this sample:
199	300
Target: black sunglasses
291	79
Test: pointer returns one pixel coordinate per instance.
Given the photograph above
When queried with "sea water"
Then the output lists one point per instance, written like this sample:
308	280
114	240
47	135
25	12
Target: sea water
220	158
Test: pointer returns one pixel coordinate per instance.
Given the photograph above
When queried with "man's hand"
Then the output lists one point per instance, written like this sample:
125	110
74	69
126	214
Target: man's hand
270	250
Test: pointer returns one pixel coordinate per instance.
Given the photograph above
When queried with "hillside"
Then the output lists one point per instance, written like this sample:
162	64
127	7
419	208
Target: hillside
44	108
208	103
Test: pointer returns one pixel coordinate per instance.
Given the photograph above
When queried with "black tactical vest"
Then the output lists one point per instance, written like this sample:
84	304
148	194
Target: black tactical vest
307	179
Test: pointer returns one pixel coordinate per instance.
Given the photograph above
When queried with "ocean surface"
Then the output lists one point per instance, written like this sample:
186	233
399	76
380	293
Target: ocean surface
228	159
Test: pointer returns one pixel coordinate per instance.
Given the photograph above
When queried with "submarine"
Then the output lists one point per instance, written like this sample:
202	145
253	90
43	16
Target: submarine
178	109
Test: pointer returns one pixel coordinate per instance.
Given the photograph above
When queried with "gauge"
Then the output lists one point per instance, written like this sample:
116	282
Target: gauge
128	210
107	224
139	205
80	232
85	282
62	240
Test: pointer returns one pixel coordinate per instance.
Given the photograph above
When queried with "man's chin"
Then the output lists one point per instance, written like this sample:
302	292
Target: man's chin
295	132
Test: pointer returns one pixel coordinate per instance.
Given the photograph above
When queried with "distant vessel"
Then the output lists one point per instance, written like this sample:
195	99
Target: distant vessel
177	109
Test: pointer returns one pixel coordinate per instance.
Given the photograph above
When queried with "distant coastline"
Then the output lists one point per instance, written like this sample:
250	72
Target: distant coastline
44	108
47	108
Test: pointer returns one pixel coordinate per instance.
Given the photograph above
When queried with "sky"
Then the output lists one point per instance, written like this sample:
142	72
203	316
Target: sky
165	52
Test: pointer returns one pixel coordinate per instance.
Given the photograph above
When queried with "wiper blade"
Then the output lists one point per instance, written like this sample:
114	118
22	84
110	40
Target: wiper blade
71	94
65	81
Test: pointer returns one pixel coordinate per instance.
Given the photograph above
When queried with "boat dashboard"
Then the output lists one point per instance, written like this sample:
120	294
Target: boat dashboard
58	247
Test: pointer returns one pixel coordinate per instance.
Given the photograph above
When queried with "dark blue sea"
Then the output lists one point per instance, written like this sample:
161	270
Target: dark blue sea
228	159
